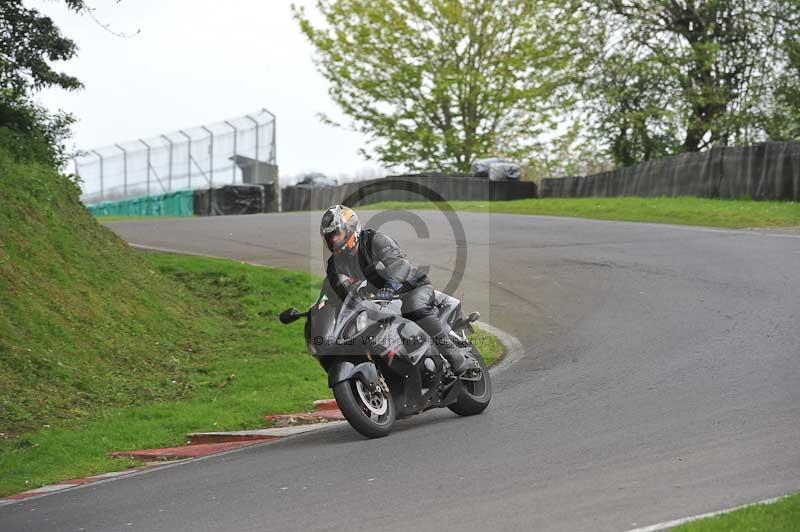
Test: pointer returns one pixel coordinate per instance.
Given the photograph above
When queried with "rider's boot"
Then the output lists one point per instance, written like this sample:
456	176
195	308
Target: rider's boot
460	360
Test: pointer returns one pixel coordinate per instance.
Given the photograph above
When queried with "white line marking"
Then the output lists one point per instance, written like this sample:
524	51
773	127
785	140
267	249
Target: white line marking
677	522
50	488
110	475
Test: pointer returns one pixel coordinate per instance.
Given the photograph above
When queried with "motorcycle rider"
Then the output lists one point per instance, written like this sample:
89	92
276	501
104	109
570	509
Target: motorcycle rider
355	253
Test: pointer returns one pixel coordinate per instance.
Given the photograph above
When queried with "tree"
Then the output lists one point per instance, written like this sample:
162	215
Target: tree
436	84
631	110
567	154
29	42
704	71
30	132
782	117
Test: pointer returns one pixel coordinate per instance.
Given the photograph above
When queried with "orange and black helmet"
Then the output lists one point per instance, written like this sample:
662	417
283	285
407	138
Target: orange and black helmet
340	229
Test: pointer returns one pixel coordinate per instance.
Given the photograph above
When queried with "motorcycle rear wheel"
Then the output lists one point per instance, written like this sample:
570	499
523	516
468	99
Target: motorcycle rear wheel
474	396
361	414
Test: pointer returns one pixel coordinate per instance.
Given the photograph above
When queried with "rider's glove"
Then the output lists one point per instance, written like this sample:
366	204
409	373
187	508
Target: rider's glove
386	293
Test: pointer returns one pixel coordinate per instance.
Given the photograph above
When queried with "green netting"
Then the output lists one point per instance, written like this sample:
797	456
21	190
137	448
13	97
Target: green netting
179	203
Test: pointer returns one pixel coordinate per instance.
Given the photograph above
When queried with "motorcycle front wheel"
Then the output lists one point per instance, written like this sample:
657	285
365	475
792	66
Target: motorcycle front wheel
371	414
474	396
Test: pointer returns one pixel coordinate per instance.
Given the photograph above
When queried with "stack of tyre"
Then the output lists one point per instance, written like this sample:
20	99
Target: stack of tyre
497	169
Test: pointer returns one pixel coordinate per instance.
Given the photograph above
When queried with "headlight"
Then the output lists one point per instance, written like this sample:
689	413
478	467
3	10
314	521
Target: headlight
361	321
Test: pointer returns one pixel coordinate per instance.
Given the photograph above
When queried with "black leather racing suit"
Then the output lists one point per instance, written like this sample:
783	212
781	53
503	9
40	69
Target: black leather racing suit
413	286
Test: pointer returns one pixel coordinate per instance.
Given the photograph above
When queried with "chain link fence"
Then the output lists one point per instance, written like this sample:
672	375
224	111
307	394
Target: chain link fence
236	151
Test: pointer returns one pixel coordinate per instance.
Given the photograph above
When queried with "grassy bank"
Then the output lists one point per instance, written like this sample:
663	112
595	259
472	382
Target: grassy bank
782	516
103	348
684	210
241	364
85	323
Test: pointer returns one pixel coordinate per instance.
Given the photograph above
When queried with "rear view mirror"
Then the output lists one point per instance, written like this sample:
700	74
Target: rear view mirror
289	315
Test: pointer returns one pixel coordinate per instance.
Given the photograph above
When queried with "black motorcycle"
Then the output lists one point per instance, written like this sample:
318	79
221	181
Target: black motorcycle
382	366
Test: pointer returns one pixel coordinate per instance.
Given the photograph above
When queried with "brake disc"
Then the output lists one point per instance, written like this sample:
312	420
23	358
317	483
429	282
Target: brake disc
375	402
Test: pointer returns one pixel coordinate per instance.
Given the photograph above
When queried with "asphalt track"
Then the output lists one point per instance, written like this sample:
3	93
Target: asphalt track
661	378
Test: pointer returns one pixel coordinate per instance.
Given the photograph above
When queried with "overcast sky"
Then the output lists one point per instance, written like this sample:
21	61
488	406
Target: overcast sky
194	62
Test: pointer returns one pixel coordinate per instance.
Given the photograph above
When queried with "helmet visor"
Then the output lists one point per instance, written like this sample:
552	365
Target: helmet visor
335	239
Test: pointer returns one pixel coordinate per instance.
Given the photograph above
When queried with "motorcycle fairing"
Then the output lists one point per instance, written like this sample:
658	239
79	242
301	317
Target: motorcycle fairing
366	372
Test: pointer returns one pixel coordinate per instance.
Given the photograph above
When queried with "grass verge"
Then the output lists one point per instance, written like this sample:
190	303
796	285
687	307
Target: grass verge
245	365
490	347
781	516
681	210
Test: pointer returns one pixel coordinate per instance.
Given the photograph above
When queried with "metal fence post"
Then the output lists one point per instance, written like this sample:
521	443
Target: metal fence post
273	156
102	193
148	165
273	159
233	166
210	157
258	166
124	170
189	156
169	172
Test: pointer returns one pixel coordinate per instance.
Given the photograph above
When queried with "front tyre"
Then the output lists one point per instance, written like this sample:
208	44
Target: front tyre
474	396
372	415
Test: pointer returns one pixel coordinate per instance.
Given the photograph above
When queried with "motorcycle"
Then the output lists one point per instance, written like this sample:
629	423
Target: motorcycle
383	367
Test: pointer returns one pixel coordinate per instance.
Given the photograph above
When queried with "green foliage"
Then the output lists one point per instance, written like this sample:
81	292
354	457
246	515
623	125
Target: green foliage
29	43
31	133
437	84
675	77
782	120
28	40
631	110
569	153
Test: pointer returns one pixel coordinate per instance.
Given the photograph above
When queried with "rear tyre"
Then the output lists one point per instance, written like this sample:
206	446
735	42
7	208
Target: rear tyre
474	396
370	415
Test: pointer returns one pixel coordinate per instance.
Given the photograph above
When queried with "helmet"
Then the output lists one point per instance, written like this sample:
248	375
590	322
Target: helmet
340	229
